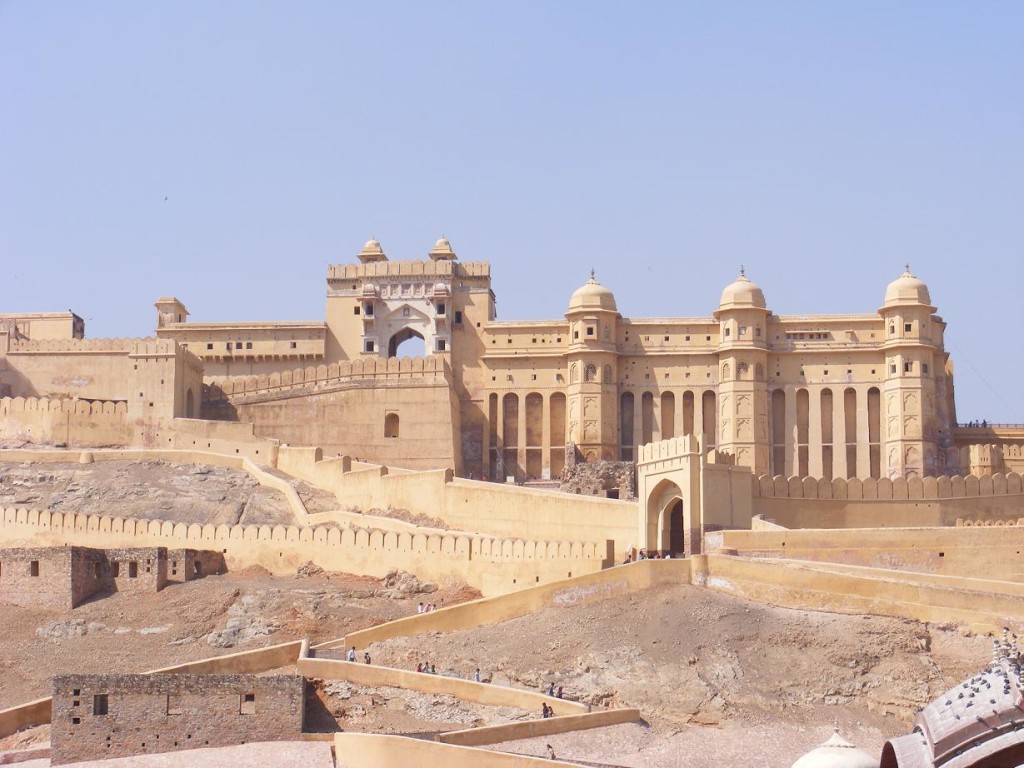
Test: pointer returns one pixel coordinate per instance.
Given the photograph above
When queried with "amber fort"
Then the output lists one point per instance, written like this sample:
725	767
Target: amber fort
812	462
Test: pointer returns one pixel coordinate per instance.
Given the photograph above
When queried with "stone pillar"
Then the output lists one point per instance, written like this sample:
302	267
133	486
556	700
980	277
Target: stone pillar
863	433
815	466
792	450
545	431
839	468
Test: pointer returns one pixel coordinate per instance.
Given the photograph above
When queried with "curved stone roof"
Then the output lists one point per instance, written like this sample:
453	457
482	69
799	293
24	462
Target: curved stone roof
742	294
442	250
592	295
907	289
372	252
976	719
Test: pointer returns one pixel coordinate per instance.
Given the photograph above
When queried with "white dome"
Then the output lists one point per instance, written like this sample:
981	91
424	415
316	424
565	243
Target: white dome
837	752
592	295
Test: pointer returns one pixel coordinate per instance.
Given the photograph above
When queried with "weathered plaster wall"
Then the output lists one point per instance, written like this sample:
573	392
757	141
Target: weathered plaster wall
368	750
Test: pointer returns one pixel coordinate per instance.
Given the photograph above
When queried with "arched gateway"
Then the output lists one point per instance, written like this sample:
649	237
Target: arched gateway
682	494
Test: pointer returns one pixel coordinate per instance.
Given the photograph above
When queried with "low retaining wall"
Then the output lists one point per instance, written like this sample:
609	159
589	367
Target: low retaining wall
970	551
619	580
792	584
14	719
494	734
372	675
366	750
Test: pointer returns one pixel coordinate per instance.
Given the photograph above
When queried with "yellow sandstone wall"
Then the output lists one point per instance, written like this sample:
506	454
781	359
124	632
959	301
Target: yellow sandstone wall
979	552
494	566
77	423
491	508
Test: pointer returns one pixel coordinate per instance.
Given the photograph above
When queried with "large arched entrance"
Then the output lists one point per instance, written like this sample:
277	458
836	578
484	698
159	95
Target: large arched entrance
665	520
415	347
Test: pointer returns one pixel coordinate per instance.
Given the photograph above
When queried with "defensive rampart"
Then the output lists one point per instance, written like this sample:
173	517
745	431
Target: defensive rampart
931	501
82	423
984	605
979	552
492	565
490	508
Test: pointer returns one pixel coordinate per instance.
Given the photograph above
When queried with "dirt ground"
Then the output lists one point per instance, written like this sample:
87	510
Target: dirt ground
154	490
713	676
198	619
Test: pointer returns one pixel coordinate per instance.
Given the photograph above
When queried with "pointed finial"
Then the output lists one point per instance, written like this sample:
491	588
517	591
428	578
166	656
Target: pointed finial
906	268
592	274
743	271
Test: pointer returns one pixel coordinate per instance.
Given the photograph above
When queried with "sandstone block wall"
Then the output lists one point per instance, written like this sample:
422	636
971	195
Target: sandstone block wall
136	570
108	716
60	577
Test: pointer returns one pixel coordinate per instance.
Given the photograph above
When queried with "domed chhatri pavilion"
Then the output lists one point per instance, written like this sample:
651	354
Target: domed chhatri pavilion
824	396
837	752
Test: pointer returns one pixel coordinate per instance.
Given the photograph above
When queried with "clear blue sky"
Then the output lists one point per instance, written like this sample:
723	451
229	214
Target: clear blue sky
821	144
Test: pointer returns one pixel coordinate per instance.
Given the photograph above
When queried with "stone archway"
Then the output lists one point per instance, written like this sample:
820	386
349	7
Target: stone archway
403	335
190	405
664	519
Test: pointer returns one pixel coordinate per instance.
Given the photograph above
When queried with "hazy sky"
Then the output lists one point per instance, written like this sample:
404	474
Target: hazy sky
227	152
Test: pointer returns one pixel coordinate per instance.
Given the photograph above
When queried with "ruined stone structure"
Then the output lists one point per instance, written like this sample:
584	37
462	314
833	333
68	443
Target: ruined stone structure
107	716
825	396
63	577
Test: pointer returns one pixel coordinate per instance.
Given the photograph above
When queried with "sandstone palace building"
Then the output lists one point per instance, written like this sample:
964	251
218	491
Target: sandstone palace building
827	396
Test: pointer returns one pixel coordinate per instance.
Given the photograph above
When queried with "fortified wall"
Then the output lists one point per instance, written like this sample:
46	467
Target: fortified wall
492	565
389	410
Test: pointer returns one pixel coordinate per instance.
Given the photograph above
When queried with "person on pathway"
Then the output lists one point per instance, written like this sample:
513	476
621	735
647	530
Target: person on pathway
352	654
551	753
476	675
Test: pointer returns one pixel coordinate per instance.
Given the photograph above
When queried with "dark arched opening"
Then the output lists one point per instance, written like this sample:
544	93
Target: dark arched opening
675	529
414	349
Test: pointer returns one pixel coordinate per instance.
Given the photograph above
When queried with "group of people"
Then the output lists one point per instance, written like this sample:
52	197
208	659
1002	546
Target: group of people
645	554
352	655
983	424
546	711
426	668
551	690
425	607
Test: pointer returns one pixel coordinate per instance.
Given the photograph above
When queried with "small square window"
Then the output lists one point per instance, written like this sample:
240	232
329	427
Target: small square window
228	345
575	334
368	346
687	338
908	367
293	345
209	345
33	568
510	340
458	317
892	368
707	338
248	345
908	327
133	570
666	338
924	368
99	704
825	372
558	340
440	345
590	331
355	310
247	704
441	308
368	310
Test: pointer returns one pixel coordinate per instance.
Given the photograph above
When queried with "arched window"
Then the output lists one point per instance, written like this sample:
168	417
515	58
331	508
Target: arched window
607	374
574	373
591	373
725	372
391	425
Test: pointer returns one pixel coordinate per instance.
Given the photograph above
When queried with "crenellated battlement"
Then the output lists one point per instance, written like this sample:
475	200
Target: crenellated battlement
412	268
113	345
371	368
884	489
9	405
